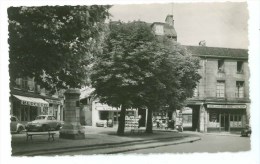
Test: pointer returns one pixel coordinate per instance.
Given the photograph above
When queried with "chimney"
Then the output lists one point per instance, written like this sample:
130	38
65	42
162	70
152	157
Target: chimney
169	20
202	43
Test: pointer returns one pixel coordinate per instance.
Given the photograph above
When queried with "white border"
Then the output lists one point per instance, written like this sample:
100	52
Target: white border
251	157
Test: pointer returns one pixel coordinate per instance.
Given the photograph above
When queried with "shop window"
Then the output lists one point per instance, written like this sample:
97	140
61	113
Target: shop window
104	115
221	65
235	121
220	89
213	119
240	67
239	89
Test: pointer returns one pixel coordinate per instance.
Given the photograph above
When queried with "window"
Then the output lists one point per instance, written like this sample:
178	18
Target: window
239	89
240	67
221	65
220	88
159	29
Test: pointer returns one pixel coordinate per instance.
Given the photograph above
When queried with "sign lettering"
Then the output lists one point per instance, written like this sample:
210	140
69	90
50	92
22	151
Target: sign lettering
227	106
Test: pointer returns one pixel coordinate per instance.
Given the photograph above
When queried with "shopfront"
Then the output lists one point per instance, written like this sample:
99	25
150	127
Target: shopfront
27	108
104	112
55	108
226	118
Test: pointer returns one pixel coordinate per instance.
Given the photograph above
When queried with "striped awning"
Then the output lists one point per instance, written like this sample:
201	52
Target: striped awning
31	101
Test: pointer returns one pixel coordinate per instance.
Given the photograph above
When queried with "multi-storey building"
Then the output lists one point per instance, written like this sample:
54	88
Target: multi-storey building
221	98
29	100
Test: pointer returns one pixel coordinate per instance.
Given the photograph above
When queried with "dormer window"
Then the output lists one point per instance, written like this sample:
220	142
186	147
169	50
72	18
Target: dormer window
159	30
221	65
240	67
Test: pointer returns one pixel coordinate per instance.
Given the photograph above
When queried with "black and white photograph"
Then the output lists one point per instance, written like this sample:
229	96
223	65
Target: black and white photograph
130	80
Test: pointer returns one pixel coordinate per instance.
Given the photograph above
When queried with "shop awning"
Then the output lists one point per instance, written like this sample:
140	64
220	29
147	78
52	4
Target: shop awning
31	101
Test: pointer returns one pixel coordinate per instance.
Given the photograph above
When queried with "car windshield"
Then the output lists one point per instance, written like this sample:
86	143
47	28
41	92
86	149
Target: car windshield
40	118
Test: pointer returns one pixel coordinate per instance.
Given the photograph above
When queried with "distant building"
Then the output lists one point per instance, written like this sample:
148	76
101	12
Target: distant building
165	29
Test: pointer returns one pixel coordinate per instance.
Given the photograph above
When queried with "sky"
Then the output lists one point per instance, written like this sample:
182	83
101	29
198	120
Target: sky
219	24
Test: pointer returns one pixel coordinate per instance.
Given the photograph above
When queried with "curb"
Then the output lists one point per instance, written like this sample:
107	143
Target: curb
149	147
223	134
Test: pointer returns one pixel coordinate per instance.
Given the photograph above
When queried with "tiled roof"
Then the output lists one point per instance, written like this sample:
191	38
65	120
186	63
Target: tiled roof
217	52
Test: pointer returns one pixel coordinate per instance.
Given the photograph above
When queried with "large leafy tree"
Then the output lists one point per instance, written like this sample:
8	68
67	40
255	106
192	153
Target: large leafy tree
173	82
119	71
55	44
137	70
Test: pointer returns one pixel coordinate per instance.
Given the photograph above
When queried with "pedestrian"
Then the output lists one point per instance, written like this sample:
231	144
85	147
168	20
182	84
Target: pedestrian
158	123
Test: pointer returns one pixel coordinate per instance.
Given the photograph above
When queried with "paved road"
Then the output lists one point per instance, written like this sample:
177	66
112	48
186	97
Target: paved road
208	143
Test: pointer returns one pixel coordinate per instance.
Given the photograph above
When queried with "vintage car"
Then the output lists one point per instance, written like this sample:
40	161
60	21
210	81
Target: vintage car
44	123
246	132
16	125
104	123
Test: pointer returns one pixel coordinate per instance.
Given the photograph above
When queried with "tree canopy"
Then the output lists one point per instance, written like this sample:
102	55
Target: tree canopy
137	70
55	44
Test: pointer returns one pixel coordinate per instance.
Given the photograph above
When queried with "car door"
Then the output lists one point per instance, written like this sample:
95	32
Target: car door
49	121
55	122
52	122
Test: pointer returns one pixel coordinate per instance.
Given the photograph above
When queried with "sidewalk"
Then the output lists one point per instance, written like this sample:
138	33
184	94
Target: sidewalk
96	138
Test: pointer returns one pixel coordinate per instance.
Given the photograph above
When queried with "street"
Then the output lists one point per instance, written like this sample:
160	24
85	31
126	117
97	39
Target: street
209	143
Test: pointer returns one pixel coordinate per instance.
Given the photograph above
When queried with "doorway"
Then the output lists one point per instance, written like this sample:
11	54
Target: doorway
224	122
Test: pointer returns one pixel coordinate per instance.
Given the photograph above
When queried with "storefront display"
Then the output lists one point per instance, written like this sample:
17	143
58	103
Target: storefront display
229	119
131	122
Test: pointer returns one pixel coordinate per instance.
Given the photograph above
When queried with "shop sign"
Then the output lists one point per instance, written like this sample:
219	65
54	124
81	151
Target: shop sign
53	101
105	107
226	106
34	104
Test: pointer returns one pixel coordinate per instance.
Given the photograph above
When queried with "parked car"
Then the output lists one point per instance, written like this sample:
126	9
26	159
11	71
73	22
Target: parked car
104	123
44	123
246	132
16	125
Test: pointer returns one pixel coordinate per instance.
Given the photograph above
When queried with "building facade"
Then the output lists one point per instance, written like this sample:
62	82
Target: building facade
29	100
221	99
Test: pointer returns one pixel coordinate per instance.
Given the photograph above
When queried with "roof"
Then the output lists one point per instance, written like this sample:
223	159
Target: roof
86	92
217	52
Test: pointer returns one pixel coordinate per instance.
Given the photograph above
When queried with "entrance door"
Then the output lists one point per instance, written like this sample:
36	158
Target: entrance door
142	121
224	123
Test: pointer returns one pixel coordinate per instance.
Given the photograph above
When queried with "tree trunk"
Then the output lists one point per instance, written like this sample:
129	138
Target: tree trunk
149	126
121	125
